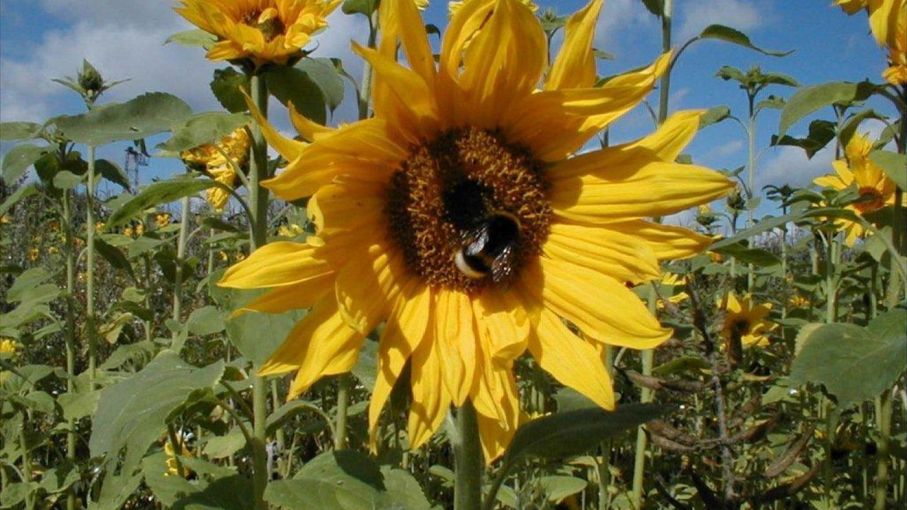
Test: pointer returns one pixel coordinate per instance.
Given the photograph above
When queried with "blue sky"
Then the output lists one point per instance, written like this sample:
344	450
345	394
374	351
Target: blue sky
43	39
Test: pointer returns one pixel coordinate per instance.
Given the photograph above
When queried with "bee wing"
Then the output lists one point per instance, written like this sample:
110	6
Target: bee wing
502	265
475	240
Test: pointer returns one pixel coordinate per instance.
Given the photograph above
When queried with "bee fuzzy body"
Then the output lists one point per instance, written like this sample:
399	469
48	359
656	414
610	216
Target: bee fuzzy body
489	247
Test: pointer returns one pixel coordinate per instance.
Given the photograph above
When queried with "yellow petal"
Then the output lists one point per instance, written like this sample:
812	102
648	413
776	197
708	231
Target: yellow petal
400	19
669	242
290	297
574	66
275	265
573	362
348	206
287	147
503	323
308	130
366	286
404	331
623	257
429	392
313	346
600	306
655	189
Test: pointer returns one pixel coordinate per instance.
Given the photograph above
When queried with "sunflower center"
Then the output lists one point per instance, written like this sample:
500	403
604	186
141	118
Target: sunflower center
468	209
740	327
267	22
870	200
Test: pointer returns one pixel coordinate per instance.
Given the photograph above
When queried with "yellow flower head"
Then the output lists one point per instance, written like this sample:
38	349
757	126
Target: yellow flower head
162	219
263	31
459	217
33	254
671	280
212	159
746	320
875	188
173	467
139	229
798	301
127	231
9	347
291	230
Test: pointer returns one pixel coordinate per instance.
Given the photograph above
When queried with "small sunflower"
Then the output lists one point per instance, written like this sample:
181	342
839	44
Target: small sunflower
263	31
875	188
670	282
9	348
175	468
212	159
745	320
798	301
162	219
459	216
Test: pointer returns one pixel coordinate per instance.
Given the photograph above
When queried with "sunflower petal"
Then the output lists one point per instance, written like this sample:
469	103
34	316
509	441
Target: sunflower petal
429	392
621	256
290	297
405	329
602	307
655	189
572	361
503	324
366	288
574	66
669	242
275	265
287	147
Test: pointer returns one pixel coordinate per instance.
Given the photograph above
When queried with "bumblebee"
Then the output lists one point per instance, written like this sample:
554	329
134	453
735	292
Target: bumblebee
489	247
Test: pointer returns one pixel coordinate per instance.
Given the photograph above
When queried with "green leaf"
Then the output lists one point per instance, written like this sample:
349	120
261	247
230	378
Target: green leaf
758	228
323	72
18	159
656	7
212	488
80	404
364	7
193	38
114	256
227	87
347	480
133	412
809	99
221	447
206	320
287	411
820	133
19	130
714	115
112	172
202	128
850	127
734	36
157	193
21	193
872	358
144	116
574	432
65	179
555	488
292	85
893	164
245	332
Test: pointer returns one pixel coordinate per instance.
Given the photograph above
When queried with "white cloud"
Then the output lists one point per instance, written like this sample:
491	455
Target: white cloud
698	14
789	165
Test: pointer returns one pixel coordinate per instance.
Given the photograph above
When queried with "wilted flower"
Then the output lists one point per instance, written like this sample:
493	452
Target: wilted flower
458	216
162	219
175	468
212	159
263	31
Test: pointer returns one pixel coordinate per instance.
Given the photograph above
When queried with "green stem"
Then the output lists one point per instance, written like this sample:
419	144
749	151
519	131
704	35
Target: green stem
366	92
665	86
26	464
830	285
89	268
343	400
604	471
258	205
883	420
70	337
468	461
751	183
646	395
180	255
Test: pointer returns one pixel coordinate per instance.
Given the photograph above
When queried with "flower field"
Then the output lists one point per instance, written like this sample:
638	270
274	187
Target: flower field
436	273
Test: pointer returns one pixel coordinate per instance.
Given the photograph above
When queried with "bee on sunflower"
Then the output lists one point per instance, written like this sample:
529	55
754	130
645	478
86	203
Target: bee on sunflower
462	218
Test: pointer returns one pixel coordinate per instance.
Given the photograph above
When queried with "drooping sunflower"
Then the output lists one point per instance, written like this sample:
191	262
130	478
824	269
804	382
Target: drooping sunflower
875	188
460	216
744	320
211	158
263	31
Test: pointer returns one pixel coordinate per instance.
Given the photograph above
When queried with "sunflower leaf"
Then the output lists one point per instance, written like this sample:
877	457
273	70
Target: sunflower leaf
227	87
734	36
146	115
161	192
18	159
202	128
809	99
893	164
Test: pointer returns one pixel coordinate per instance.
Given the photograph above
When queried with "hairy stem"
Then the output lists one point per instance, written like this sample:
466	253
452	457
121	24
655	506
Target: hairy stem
468	461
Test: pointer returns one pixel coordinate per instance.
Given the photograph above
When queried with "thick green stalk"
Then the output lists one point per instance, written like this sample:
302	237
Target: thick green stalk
180	255
365	94
343	400
70	335
883	421
604	472
468	461
751	183
664	88
258	204
89	268
830	284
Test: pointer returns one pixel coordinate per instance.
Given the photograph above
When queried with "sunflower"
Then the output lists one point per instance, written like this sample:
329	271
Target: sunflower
175	468
459	218
263	31
888	22
875	188
670	281
9	347
745	321
212	159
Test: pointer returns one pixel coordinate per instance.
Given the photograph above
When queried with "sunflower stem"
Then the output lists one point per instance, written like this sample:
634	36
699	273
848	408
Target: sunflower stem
646	395
258	204
343	400
468	461
883	421
751	182
89	268
366	92
180	255
70	337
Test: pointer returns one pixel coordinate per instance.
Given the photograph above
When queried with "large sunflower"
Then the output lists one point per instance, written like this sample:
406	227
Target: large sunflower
875	188
261	30
457	216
